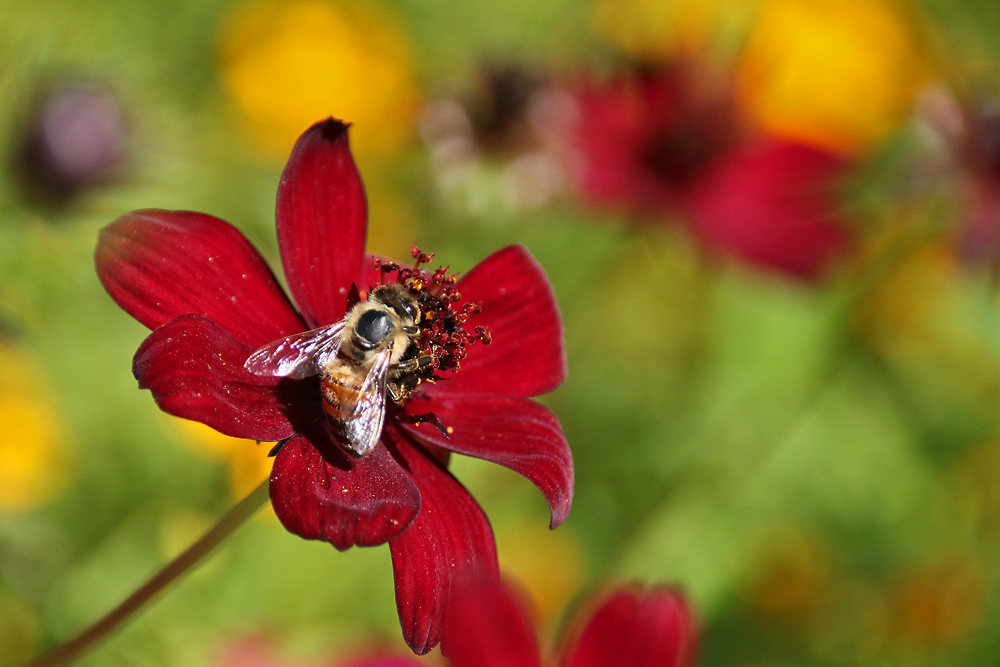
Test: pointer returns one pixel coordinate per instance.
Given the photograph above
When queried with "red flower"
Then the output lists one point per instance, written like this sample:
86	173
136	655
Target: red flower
212	301
978	159
646	138
669	142
963	152
771	203
489	627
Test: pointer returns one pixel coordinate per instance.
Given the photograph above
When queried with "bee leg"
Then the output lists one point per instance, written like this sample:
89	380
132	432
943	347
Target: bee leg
395	393
413	365
405	366
399	391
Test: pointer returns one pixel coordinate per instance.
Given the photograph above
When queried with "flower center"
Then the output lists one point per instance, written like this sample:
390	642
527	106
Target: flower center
989	144
442	336
678	155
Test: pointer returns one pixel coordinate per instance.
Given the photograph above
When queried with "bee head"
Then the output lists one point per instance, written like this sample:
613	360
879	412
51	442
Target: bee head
395	297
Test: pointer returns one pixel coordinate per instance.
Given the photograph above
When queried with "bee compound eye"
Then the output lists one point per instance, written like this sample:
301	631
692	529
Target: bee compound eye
373	326
409	309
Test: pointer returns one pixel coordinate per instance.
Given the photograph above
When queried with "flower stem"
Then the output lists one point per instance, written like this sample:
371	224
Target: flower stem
226	526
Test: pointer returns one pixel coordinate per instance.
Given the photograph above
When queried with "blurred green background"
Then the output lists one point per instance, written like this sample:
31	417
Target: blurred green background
816	462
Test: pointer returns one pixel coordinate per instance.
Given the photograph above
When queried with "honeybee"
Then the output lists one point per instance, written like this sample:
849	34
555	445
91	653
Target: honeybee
362	361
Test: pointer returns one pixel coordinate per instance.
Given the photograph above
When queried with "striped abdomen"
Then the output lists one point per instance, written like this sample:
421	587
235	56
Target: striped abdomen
340	387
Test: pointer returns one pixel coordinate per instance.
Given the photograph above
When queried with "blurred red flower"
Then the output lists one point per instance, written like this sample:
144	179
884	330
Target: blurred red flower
977	152
212	300
960	151
668	141
489	627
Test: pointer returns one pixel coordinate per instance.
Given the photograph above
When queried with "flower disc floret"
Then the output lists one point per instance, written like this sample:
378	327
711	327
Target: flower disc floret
443	314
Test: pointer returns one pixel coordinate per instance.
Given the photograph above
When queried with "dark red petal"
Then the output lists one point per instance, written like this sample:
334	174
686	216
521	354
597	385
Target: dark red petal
322	221
526	357
488	626
346	501
774	205
195	371
635	629
450	539
514	432
158	265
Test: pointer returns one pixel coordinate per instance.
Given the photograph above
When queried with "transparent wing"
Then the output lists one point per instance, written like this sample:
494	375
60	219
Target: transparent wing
297	356
364	426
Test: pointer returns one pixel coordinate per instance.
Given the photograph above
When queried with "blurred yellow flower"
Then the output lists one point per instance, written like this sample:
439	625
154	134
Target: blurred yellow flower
975	482
248	462
838	73
906	313
940	601
33	460
657	29
547	563
289	64
924	319
789	572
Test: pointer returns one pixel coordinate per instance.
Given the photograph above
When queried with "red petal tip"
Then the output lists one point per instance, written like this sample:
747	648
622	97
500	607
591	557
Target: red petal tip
332	129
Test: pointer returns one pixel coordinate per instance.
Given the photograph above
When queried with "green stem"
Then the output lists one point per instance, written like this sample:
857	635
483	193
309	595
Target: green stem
227	525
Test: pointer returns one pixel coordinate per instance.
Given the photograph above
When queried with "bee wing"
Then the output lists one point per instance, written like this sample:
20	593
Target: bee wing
364	426
297	356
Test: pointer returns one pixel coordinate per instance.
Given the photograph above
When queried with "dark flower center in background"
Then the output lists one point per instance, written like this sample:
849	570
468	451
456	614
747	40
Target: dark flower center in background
989	144
695	122
679	152
979	155
75	138
500	112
